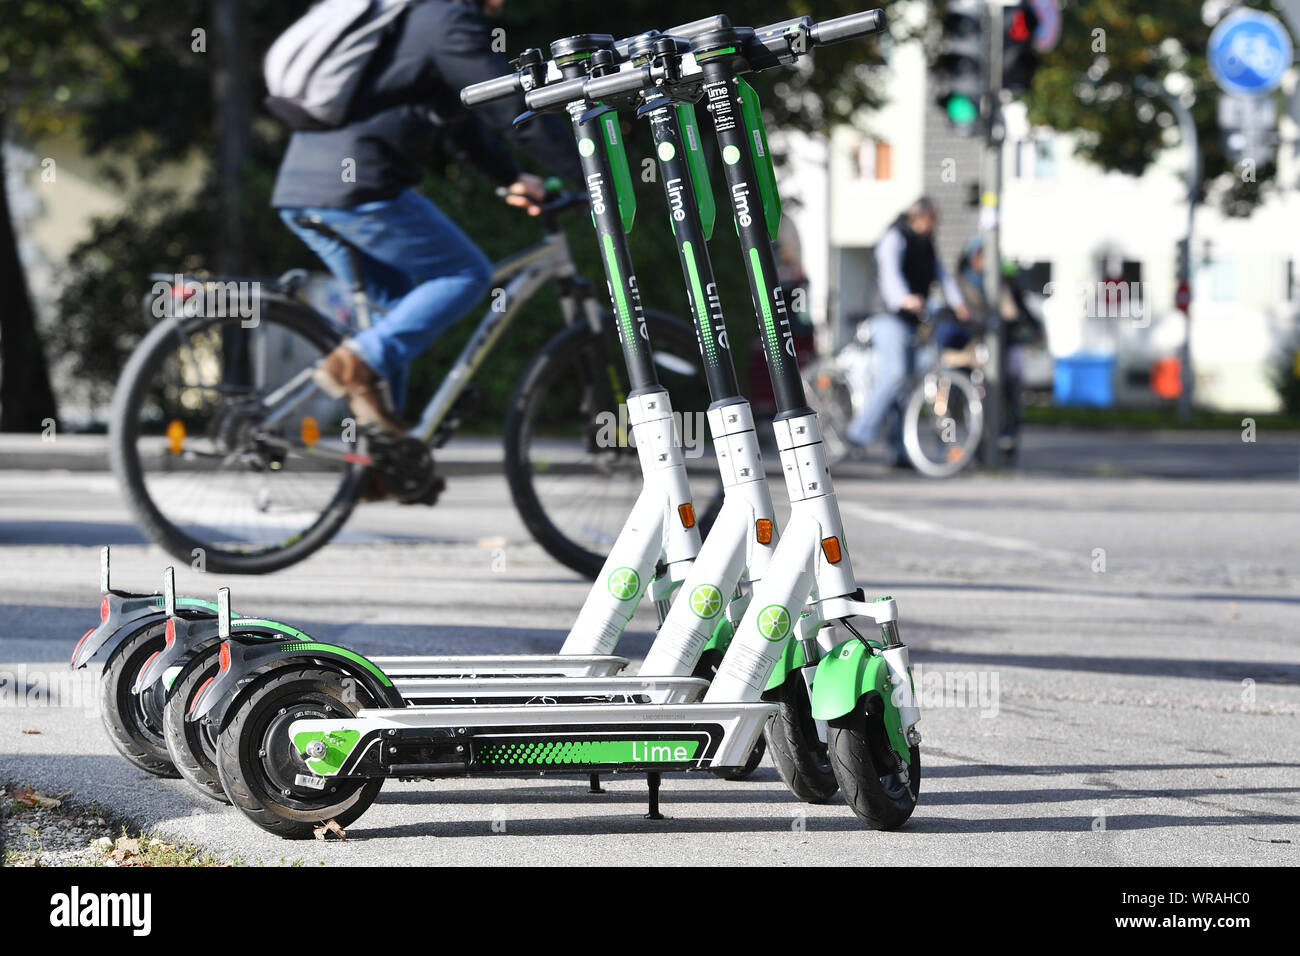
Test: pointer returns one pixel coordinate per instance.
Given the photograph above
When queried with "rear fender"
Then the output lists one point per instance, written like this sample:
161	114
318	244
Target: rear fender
264	646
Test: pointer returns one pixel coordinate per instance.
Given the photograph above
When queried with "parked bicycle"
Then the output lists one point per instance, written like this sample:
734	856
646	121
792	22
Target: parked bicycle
940	407
225	447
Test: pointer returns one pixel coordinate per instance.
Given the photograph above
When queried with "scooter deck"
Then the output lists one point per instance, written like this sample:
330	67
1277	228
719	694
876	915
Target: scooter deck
506	739
445	691
501	665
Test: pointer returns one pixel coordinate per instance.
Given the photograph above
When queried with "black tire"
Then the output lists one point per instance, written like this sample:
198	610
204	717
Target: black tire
136	391
192	744
939	457
707	668
880	789
565	372
134	721
243	769
799	755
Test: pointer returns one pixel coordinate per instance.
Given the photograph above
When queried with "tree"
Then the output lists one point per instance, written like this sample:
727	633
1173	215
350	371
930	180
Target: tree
155	109
1086	86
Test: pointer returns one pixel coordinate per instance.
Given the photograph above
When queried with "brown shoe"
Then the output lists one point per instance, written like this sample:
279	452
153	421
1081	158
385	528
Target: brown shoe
343	373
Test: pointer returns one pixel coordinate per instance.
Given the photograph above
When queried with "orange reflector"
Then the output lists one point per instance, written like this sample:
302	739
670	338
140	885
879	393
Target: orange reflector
309	431
763	530
687	513
956	454
176	436
831	548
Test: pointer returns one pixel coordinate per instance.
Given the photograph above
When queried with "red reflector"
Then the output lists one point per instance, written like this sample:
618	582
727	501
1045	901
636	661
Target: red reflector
354	458
77	650
202	688
223	657
170	632
103	609
149	661
763	530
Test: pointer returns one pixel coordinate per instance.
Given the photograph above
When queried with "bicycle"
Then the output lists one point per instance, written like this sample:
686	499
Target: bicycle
939	409
229	454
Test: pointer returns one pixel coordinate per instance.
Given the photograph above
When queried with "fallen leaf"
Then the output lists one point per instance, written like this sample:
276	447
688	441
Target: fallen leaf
31	731
331	827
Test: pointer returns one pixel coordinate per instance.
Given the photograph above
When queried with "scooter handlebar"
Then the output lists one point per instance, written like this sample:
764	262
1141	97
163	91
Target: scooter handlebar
846	28
476	94
555	94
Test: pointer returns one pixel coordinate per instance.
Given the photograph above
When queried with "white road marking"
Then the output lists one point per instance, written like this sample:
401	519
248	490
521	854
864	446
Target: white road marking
902	522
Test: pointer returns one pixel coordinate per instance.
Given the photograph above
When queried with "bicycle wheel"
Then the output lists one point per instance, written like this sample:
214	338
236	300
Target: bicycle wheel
942	423
831	396
573	474
211	476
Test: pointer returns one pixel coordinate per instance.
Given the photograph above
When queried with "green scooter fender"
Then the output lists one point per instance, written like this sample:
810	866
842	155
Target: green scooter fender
844	676
791	660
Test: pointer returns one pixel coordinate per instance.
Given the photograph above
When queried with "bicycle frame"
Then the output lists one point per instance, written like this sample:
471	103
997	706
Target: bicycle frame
515	280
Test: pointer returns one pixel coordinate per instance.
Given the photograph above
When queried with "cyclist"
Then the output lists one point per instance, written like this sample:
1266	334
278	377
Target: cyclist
907	266
1021	325
357	180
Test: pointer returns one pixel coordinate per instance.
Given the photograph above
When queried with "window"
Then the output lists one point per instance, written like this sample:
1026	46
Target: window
873	159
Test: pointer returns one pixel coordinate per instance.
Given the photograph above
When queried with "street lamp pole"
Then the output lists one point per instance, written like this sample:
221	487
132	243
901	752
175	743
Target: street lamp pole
1187	126
990	228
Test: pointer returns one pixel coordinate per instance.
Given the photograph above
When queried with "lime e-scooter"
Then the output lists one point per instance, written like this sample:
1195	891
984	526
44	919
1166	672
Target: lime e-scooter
297	712
742	542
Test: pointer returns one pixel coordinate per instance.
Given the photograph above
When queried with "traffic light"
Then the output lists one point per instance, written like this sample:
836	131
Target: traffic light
958	70
1019	58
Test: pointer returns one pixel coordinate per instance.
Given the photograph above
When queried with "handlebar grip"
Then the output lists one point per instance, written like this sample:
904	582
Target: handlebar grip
477	94
846	28
555	94
616	84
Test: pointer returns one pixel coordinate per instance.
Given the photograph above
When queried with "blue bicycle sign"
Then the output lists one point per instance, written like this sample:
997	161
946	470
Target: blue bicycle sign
1248	53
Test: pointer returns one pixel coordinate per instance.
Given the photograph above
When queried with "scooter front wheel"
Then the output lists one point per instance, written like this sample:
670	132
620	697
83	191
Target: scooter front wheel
797	751
878	785
262	771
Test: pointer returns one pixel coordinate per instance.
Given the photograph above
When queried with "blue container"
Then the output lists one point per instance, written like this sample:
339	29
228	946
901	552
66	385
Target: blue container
1085	379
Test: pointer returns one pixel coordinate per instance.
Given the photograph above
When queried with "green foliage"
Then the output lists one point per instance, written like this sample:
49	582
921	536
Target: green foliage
1086	86
1285	377
125	75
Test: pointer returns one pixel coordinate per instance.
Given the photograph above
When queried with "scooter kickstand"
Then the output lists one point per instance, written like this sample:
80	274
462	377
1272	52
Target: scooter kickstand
593	783
652	780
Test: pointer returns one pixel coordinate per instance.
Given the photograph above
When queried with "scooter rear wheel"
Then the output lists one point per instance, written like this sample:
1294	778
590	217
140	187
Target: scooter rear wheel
192	744
134	721
258	764
880	789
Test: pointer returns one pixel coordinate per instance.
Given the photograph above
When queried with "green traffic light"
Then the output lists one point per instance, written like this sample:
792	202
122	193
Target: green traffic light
962	110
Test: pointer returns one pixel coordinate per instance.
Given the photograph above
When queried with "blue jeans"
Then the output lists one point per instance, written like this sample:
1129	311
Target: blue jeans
891	360
417	266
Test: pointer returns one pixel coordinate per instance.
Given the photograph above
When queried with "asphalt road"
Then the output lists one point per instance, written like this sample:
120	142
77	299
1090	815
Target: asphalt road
1108	647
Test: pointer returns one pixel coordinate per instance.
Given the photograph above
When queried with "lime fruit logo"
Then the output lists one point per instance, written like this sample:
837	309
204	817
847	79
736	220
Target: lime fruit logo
706	601
774	622
730	155
624	583
667	151
586	146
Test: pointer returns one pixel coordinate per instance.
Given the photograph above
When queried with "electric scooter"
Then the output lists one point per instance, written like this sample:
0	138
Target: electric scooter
131	628
296	717
689	640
